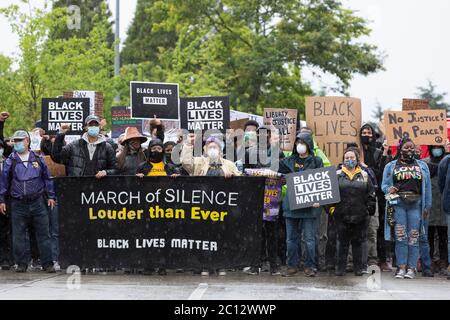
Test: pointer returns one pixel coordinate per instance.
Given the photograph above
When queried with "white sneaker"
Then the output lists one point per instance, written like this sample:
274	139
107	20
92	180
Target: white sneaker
222	272
204	273
400	274
56	266
411	274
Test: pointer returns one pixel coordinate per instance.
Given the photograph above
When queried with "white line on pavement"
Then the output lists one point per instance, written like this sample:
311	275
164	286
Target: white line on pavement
198	292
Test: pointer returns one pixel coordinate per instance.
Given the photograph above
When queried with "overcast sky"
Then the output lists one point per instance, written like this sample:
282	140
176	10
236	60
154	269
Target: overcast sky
414	34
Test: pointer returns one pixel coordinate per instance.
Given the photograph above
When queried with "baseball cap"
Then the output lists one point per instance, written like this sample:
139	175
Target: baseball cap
20	135
91	118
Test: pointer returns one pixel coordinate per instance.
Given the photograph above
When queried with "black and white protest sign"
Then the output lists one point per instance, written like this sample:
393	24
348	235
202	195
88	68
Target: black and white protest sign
58	111
205	113
312	186
160	222
149	99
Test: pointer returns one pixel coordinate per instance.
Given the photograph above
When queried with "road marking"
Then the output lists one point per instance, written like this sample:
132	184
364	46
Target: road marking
198	292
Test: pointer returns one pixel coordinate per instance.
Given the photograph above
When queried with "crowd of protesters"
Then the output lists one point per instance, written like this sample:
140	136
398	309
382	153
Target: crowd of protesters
394	208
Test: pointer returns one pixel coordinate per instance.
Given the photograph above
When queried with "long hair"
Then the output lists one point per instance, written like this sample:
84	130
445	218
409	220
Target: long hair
125	152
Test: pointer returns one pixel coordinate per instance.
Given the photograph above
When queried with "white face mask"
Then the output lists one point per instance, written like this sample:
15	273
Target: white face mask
213	153
301	148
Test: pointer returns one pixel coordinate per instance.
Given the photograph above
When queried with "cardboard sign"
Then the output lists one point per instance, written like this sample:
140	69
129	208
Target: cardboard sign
424	127
149	99
121	119
335	122
285	120
238	115
35	143
187	222
205	113
238	124
56	169
58	111
312	186
415	104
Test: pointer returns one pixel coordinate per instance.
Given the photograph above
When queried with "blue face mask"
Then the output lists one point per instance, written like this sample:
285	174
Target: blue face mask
351	164
93	131
437	153
19	147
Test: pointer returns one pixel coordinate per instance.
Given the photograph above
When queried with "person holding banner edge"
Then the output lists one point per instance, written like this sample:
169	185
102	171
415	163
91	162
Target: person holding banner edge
303	221
407	185
25	180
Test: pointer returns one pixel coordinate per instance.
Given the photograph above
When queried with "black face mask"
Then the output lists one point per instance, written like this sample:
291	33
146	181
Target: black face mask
408	155
366	140
156	156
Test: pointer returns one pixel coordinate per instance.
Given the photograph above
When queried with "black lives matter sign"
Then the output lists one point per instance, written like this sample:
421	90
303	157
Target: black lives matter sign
58	111
205	113
149	99
312	186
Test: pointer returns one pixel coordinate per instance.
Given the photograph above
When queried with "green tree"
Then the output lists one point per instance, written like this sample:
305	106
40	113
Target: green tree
435	99
255	50
378	112
92	13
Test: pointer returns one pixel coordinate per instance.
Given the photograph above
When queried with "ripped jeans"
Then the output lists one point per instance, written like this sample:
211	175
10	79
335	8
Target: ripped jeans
407	231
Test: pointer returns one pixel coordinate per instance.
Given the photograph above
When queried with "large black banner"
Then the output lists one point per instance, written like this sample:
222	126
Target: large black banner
183	222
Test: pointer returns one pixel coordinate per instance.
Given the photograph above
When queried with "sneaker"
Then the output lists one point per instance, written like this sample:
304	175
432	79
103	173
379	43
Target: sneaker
162	272
275	271
290	272
386	267
400	274
309	272
56	266
427	273
49	269
339	273
204	273
35	265
411	274
179	271
359	273
20	269
253	271
221	272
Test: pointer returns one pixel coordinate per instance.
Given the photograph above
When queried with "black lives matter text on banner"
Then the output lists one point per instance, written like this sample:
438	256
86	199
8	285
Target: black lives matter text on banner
149	99
187	222
335	122
312	186
58	111
424	127
205	113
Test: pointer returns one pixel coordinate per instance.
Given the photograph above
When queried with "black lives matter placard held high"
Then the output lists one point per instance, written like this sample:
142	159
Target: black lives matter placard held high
58	111
149	99
205	113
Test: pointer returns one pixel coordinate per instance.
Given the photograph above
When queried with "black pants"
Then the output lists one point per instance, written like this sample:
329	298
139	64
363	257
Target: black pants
355	234
281	238
331	247
269	243
442	240
5	240
384	248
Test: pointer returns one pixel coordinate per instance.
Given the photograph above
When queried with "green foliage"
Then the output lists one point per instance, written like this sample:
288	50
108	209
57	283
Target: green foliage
435	99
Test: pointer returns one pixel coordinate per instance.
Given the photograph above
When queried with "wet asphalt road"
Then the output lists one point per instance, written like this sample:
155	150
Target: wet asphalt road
236	285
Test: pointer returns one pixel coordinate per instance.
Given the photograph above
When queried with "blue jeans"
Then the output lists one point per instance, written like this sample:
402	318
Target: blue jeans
424	246
294	229
54	232
407	231
23	215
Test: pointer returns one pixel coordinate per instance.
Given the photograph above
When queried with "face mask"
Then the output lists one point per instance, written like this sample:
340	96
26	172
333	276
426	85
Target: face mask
301	149
156	156
251	135
408	155
351	164
366	140
19	147
213	153
437	153
94	131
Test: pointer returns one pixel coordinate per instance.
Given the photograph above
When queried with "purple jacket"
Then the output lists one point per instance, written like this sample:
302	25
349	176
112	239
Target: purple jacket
26	181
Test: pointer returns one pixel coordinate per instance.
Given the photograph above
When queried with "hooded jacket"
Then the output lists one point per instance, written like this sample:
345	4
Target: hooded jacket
290	165
77	154
371	155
